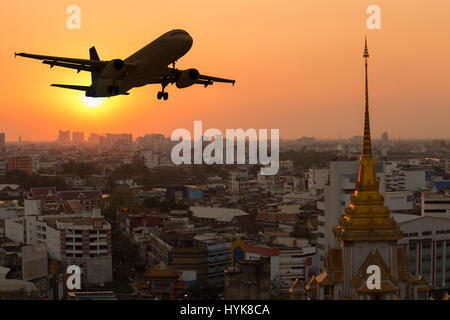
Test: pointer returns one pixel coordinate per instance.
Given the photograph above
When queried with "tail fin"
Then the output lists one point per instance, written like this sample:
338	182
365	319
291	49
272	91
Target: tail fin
93	55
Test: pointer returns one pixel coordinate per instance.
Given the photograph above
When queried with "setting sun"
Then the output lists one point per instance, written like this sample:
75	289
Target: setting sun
92	102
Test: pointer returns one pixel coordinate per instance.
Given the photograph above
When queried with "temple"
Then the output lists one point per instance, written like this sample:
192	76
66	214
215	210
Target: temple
367	236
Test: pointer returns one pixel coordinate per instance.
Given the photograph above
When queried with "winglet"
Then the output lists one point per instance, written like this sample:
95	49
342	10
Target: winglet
15	54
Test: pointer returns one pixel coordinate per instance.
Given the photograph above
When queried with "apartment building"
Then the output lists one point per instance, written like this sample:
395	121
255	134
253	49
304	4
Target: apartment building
427	243
23	163
436	204
82	240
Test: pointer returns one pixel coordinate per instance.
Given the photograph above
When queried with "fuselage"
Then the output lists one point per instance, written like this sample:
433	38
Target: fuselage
151	61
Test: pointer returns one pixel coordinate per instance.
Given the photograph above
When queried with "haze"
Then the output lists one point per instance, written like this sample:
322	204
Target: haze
298	67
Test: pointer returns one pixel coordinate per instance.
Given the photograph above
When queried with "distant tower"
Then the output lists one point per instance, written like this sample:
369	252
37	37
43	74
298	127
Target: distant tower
2	142
385	138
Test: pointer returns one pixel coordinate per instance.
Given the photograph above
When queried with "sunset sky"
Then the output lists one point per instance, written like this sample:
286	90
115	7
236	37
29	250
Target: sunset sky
297	63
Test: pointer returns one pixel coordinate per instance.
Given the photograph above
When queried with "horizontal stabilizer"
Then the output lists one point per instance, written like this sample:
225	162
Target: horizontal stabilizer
68	86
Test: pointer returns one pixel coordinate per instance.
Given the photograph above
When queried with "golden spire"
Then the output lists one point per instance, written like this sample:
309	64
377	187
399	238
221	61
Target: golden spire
367	145
367	218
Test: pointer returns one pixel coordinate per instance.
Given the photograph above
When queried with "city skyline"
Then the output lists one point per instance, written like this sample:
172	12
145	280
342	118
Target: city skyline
319	94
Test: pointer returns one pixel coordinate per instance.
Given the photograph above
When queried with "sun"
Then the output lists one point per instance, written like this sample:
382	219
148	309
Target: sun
92	102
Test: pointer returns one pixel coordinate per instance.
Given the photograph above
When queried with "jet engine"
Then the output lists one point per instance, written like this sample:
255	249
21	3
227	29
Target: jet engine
112	69
187	78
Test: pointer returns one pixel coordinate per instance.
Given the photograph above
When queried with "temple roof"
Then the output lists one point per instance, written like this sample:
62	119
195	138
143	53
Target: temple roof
387	282
333	273
162	271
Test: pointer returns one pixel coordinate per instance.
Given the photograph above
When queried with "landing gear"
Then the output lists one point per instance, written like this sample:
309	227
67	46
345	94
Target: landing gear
162	94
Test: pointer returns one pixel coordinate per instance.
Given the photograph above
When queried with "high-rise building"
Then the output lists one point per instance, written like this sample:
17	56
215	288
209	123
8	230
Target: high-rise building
77	137
368	237
341	185
64	136
2	143
384	138
118	142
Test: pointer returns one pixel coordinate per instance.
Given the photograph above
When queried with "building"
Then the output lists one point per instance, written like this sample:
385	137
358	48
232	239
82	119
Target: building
426	240
292	265
219	257
88	199
117	142
238	181
2	143
50	200
15	229
64	136
436	205
248	280
368	236
23	163
217	216
343	175
191	259
287	263
385	138
162	282
286	164
318	178
274	184
400	201
182	251
3	167
94	139
77	137
82	240
161	251
404	179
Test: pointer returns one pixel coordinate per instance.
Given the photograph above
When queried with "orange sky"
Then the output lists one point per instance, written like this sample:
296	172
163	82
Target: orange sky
297	64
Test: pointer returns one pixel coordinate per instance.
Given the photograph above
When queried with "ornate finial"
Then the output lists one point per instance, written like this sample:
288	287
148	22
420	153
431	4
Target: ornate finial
367	143
366	50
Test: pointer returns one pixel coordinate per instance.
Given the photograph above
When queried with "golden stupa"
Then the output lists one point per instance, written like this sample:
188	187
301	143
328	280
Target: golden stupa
367	218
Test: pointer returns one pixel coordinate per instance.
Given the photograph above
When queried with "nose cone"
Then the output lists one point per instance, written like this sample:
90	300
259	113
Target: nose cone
189	40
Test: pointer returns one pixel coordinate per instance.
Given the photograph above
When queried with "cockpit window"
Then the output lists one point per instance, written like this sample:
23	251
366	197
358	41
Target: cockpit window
177	33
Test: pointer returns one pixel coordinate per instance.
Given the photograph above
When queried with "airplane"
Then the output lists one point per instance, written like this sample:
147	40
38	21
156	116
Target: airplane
150	65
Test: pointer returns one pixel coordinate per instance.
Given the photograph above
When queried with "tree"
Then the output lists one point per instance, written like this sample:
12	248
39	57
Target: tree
33	181
80	168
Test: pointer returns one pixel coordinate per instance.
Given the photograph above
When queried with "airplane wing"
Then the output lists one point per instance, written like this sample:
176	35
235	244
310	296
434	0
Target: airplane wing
171	76
72	63
95	66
